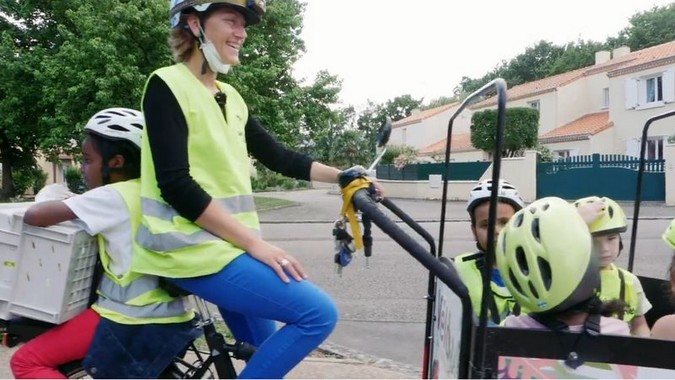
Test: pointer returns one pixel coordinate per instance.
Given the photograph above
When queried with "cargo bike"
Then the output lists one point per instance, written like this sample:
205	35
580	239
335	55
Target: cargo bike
459	345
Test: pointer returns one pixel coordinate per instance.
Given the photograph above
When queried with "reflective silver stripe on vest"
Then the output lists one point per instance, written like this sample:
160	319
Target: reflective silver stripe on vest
113	296
234	205
124	294
174	308
170	241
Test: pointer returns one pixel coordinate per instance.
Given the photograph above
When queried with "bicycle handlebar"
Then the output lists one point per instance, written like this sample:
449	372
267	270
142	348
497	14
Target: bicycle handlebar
363	201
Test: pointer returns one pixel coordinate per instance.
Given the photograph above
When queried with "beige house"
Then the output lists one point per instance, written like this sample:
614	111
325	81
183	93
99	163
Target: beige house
55	171
596	109
424	127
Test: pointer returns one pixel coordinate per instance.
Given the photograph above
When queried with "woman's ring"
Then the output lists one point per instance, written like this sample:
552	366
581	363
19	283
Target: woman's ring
284	262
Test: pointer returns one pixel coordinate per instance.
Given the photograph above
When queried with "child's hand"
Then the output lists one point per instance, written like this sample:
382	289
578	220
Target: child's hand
591	209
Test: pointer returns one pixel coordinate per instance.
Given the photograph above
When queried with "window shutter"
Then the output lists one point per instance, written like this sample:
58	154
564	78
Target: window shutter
631	93
633	147
668	84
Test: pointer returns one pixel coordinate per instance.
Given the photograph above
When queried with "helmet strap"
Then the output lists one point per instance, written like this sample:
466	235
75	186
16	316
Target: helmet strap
211	56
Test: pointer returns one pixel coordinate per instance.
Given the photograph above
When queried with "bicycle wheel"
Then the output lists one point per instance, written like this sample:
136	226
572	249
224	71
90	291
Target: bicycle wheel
74	370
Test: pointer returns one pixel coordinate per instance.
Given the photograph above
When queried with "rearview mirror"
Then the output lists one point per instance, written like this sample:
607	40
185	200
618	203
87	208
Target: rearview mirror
382	139
385	132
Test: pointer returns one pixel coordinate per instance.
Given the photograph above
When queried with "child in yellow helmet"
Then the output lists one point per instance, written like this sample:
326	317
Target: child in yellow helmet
546	258
664	328
617	283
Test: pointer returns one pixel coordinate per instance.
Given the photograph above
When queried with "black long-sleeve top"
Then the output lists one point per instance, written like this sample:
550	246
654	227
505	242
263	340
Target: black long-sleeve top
168	133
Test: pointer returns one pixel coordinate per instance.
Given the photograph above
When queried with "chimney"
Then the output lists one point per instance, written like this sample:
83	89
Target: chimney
602	56
620	51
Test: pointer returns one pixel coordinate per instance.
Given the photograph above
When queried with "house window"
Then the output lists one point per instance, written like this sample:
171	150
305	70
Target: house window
605	97
654	89
534	104
561	154
654	148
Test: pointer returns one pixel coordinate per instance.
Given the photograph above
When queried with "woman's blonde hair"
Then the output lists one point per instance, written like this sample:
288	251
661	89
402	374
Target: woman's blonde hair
181	41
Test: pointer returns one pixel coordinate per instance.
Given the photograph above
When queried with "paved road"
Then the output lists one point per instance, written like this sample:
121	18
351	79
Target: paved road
382	307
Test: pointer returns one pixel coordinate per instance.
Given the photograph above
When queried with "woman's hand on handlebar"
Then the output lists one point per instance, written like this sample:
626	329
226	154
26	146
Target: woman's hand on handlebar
277	259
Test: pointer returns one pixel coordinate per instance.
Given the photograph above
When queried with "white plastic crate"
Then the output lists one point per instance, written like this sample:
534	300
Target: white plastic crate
55	272
11	222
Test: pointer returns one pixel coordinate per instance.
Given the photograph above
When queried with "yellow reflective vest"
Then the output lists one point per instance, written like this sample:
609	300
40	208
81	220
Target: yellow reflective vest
134	298
218	157
502	304
617	283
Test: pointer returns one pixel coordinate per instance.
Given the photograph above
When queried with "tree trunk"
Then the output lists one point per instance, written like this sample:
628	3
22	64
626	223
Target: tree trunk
7	182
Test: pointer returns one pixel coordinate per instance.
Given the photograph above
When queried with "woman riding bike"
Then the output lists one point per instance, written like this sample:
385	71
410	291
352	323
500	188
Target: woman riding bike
134	308
200	229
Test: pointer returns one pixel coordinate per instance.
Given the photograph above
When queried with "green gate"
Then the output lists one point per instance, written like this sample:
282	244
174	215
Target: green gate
459	171
609	175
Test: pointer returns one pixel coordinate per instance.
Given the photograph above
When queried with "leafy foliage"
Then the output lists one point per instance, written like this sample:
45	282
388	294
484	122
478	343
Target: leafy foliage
544	59
28	177
520	131
372	118
266	180
74	180
394	151
544	154
649	28
64	60
441	101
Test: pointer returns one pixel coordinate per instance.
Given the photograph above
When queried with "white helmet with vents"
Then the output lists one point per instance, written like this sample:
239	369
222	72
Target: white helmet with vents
506	193
117	124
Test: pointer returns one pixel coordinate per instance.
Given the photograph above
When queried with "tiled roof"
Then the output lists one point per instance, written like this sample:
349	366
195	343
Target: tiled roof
650	57
459	143
579	129
533	88
419	116
638	60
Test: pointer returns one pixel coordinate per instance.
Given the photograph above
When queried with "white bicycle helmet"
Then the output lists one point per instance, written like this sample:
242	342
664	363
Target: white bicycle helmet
117	124
252	10
506	193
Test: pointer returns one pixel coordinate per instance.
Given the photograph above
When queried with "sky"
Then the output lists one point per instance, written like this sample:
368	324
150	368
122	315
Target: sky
387	48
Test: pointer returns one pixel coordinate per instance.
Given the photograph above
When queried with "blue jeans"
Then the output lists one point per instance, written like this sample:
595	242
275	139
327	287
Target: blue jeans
250	297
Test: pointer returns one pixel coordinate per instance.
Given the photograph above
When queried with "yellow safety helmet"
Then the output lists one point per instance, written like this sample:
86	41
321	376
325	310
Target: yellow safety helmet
669	235
544	254
613	219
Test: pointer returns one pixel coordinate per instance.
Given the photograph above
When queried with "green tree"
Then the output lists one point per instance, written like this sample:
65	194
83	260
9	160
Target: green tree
532	65
351	148
64	60
576	55
520	131
371	119
440	101
649	28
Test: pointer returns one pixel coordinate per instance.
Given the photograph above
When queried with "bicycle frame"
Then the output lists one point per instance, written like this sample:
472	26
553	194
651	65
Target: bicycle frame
498	85
638	189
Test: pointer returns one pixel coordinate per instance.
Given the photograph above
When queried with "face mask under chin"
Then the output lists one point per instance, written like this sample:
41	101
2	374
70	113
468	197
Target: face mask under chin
213	58
211	55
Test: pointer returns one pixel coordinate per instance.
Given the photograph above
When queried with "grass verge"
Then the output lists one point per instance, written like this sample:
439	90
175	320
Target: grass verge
269	203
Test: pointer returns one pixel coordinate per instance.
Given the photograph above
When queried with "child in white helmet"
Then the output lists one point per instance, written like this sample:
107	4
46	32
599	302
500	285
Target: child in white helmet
617	283
664	328
546	258
110	209
470	266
